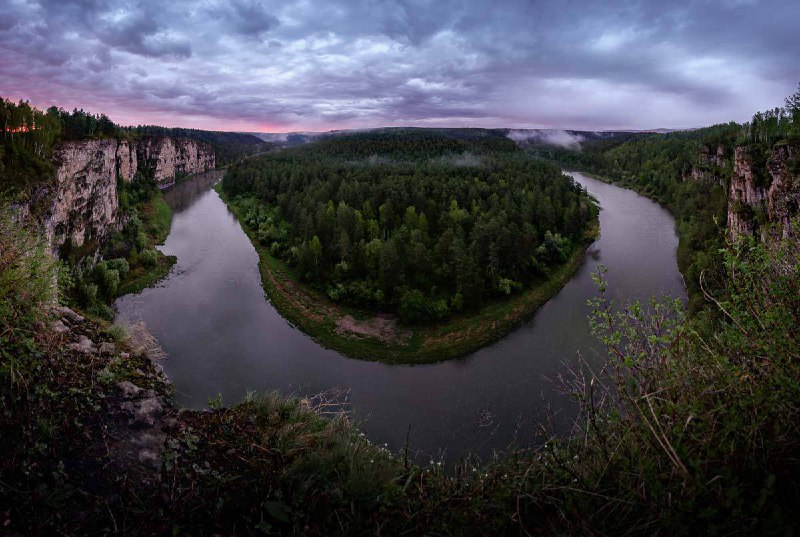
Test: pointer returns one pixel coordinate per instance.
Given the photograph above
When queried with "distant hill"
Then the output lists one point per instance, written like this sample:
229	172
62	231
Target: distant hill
568	138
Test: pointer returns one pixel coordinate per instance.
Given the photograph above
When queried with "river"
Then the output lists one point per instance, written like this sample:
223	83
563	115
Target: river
223	337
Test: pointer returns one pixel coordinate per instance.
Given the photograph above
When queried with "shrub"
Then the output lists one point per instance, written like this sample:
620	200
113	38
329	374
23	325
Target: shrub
120	265
27	273
148	258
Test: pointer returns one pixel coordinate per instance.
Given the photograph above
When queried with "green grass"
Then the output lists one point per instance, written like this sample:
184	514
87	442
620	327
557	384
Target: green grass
157	217
140	278
316	315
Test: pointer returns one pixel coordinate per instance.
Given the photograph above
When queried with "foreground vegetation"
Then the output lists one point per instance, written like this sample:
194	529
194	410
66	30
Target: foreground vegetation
692	428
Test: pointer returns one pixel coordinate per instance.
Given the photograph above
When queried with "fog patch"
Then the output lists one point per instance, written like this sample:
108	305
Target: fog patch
560	138
464	160
379	159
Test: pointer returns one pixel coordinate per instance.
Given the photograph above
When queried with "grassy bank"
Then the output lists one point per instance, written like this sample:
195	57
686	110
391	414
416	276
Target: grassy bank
349	330
156	216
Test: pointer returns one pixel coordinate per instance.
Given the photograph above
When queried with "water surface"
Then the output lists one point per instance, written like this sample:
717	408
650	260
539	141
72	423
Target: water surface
223	337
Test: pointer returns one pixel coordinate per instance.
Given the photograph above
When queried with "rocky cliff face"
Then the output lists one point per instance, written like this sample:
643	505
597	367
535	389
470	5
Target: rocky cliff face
85	201
167	158
762	202
711	166
127	163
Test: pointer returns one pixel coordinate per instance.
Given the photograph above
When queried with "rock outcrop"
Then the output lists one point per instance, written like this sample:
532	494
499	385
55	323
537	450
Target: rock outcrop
127	163
762	202
86	203
85	200
168	158
136	415
711	166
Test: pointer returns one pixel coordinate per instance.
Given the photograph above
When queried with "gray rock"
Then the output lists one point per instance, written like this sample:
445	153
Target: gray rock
170	422
84	345
68	314
150	458
145	412
107	348
129	389
58	327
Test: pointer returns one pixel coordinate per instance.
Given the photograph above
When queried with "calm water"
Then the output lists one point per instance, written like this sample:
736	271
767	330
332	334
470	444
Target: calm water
223	336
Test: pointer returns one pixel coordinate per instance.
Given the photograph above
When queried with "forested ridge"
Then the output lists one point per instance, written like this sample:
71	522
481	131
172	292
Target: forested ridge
29	134
419	221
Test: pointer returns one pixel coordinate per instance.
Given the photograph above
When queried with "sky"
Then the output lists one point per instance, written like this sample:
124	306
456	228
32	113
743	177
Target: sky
277	66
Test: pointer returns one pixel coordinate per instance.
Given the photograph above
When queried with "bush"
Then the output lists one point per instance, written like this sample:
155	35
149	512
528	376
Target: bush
415	307
148	258
120	265
27	272
507	286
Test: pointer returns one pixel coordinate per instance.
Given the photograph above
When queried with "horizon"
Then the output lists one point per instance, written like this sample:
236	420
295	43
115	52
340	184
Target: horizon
264	67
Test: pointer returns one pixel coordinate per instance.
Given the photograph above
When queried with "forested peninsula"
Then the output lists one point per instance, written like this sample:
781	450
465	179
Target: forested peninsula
410	245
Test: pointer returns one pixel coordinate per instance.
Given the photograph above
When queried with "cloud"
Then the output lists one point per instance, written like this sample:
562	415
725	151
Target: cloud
269	65
246	17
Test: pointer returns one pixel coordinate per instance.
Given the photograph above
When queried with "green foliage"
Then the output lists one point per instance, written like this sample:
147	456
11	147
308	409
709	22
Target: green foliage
408	219
793	109
26	275
27	139
696	424
415	307
148	258
130	261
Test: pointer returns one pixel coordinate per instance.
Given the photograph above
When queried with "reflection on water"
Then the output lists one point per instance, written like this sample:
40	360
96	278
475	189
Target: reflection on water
183	194
223	336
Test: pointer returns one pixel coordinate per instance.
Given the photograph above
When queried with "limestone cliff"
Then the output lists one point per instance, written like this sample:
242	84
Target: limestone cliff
712	166
127	163
167	158
85	200
763	198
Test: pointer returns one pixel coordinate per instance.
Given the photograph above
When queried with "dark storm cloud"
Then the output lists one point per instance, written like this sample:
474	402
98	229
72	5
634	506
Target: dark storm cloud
246	17
249	64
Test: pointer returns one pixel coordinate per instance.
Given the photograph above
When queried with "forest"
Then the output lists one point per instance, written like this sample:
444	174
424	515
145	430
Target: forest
425	223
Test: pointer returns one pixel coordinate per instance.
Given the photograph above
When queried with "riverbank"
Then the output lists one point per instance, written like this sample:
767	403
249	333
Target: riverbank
365	335
156	215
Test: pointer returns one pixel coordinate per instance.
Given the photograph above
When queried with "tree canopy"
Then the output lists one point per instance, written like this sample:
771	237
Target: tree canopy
422	222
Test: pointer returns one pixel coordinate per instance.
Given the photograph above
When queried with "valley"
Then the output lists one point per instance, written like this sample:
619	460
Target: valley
415	330
224	337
